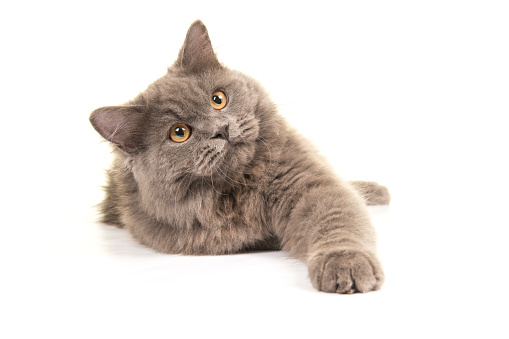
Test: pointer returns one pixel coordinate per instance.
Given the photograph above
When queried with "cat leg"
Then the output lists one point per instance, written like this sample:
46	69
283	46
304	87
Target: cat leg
372	192
329	228
110	206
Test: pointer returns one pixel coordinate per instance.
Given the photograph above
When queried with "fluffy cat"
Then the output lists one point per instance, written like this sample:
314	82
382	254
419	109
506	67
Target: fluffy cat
204	165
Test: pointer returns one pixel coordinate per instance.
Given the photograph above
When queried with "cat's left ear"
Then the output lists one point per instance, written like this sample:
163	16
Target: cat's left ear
121	125
197	54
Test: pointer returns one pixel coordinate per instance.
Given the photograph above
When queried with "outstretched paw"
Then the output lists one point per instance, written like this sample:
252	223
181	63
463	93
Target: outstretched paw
345	272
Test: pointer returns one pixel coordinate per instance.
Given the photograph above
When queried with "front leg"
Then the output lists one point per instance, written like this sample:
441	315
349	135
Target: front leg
329	228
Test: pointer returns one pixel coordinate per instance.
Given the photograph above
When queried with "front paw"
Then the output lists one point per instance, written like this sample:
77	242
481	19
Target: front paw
345	272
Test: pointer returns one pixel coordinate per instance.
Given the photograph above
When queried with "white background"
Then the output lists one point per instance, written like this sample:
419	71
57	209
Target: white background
413	94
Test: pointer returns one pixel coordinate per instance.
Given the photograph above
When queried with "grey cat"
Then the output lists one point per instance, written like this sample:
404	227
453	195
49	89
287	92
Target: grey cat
204	165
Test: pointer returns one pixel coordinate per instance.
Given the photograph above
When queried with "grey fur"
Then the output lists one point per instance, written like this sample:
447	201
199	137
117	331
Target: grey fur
261	186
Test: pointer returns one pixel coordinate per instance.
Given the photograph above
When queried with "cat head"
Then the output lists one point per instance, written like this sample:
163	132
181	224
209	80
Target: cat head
200	120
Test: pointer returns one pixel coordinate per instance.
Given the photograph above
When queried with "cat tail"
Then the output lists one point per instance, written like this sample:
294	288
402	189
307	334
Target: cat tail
372	192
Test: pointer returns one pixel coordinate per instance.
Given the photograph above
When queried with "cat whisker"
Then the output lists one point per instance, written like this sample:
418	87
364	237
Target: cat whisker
212	181
228	178
206	152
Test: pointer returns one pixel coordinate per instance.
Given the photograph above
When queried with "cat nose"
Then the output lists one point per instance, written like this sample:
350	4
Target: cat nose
222	133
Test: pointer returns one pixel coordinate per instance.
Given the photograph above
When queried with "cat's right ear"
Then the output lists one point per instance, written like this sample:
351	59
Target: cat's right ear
121	125
197	54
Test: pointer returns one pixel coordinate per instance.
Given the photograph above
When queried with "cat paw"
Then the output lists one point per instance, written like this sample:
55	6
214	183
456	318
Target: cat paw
345	272
372	192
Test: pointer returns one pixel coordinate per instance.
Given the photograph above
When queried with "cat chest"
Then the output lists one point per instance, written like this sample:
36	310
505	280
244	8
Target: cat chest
202	225
224	226
231	210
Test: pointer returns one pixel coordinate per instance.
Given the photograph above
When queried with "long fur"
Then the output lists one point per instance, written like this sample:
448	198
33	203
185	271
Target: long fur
263	188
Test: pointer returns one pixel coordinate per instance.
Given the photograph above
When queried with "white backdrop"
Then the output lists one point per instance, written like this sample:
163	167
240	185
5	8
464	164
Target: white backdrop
411	94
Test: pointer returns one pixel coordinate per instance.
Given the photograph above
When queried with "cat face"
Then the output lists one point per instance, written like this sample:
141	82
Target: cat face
201	122
200	125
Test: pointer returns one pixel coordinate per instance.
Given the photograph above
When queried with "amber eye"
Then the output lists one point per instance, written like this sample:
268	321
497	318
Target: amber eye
218	100
180	133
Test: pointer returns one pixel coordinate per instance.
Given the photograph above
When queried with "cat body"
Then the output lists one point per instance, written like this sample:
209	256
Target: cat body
204	165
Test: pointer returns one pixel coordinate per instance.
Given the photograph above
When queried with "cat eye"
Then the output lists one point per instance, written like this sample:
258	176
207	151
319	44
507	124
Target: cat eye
180	133
218	100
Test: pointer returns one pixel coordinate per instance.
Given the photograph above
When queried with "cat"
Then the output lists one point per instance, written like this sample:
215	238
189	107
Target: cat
204	165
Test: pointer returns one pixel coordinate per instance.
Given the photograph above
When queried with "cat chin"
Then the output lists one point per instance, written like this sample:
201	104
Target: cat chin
221	171
230	161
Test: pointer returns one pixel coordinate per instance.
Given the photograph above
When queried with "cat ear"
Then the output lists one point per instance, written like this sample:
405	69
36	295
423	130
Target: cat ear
121	125
197	53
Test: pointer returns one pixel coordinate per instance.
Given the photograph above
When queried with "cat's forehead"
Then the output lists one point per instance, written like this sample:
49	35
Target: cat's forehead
181	86
176	92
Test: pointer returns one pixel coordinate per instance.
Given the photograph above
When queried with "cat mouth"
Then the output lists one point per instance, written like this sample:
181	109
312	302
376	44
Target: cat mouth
216	159
213	156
